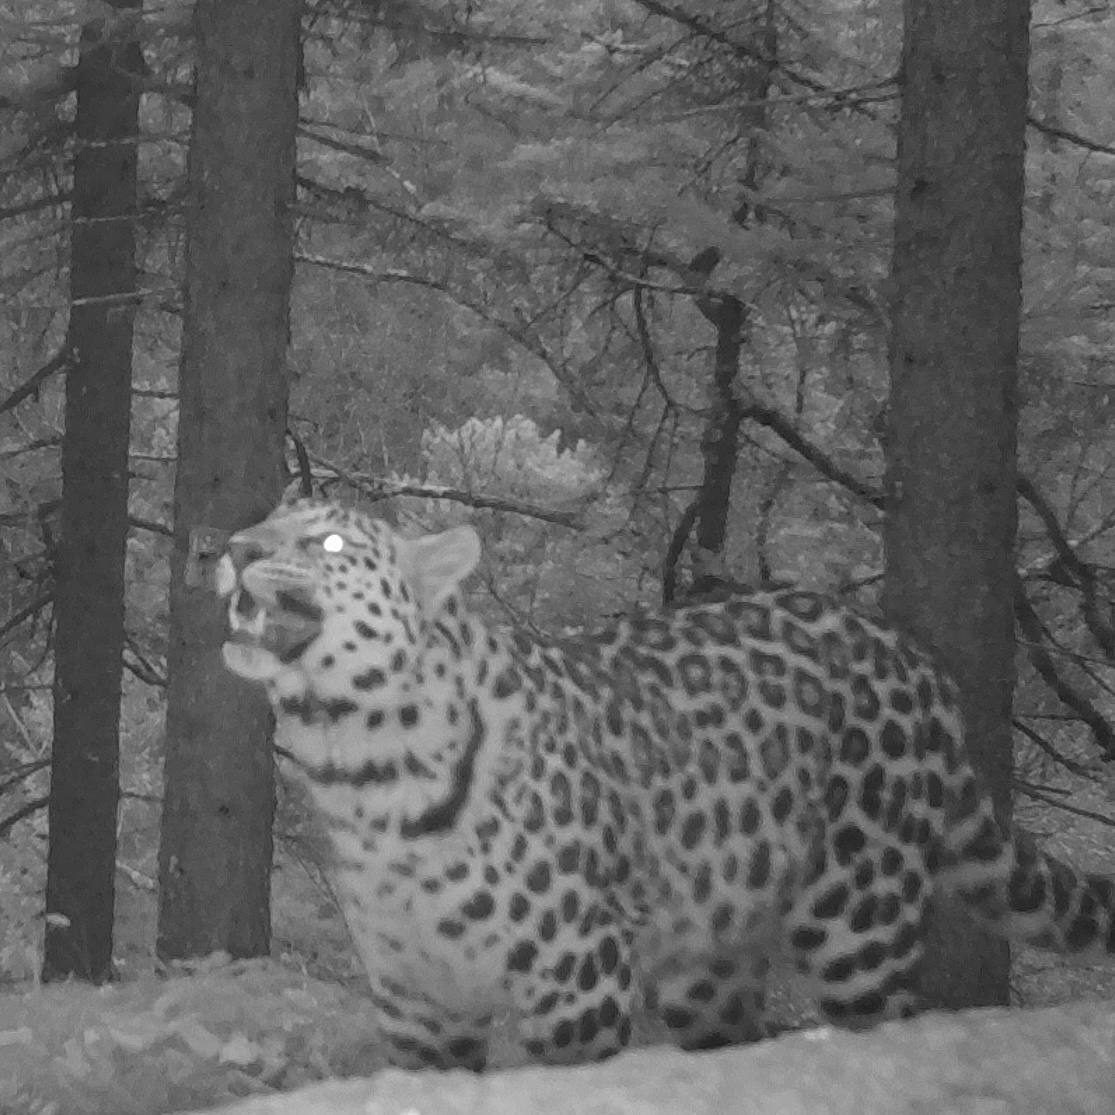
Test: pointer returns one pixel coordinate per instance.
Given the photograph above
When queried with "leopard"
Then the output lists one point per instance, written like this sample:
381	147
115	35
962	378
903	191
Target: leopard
567	831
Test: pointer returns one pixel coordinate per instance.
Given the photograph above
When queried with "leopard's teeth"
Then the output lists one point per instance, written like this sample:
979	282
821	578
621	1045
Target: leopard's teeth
224	579
248	629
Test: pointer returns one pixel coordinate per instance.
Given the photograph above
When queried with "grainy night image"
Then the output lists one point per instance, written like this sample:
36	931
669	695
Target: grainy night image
556	557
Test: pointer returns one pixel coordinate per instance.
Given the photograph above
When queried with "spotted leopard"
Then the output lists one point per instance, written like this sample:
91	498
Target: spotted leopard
552	828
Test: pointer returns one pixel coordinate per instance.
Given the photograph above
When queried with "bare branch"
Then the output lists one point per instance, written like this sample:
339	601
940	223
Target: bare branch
703	28
358	150
143	668
22	772
1070	560
123	296
25	810
781	426
1030	623
1040	793
150	525
305	472
30	388
25	613
1043	744
517	332
34	205
650	358
376	490
1069	137
674	550
41	511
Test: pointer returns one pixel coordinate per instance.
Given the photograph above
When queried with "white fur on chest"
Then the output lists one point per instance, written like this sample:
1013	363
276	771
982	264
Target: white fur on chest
394	920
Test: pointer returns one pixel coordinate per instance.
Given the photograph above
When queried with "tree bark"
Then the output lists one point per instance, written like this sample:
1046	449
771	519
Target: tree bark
951	446
720	441
89	571
215	854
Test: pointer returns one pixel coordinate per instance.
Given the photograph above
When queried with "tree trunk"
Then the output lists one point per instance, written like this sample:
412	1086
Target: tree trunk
215	854
720	441
707	516
951	448
89	573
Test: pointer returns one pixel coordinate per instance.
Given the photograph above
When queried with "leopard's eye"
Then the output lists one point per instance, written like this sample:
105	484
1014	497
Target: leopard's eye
333	543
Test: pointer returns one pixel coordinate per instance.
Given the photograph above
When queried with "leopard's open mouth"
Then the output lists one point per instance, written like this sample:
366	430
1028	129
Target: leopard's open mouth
271	621
285	628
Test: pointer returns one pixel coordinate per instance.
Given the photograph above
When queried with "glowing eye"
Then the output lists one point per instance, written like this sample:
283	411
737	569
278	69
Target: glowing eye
333	543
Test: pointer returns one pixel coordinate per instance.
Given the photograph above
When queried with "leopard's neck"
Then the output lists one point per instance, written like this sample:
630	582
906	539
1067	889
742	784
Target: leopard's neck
415	755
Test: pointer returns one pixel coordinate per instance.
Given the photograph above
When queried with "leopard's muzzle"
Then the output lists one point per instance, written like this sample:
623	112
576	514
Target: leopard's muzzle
273	614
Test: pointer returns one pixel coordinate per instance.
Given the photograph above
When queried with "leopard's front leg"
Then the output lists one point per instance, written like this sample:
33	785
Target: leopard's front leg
571	982
419	1033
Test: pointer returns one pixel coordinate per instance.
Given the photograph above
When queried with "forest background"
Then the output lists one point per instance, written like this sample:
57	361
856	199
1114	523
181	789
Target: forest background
504	310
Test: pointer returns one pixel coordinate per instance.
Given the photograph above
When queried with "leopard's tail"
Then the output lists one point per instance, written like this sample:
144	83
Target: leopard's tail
1020	892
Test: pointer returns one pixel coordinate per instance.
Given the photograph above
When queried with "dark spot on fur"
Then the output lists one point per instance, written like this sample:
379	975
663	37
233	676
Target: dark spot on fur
521	957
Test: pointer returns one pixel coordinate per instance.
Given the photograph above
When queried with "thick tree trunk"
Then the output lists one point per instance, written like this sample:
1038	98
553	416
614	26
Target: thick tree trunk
950	487
215	855
89	586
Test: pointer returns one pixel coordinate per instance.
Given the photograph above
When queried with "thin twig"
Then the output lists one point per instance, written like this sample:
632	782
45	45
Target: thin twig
23	811
22	772
25	613
1042	794
1069	137
1030	623
30	388
1043	744
150	525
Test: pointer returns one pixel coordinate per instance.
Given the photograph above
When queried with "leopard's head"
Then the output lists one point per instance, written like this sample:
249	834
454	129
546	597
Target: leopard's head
325	599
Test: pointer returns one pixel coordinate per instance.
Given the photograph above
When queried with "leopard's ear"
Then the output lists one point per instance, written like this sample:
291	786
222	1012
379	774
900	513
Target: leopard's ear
436	564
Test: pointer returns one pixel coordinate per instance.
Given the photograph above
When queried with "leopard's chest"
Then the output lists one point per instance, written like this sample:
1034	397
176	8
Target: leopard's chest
430	915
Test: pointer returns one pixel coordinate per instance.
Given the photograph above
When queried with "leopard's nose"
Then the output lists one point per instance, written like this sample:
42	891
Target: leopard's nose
252	544
244	549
